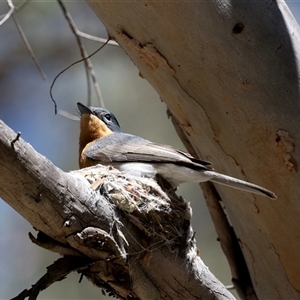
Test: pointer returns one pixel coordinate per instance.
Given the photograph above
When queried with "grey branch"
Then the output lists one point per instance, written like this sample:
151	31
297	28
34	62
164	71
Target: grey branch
133	239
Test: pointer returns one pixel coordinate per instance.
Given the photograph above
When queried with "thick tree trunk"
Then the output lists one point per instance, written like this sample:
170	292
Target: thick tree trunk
228	72
123	233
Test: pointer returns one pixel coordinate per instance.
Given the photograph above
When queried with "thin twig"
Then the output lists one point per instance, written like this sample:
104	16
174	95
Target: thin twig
68	115
95	38
84	54
12	12
9	13
56	272
81	46
74	63
17	8
28	47
22	5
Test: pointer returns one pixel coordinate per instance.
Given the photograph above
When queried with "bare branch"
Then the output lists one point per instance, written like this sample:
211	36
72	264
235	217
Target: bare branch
9	13
84	55
61	72
28	47
96	39
56	272
68	115
12	12
124	225
17	8
229	243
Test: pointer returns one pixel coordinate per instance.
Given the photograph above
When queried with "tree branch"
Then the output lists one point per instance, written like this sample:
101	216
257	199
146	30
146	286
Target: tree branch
56	272
137	239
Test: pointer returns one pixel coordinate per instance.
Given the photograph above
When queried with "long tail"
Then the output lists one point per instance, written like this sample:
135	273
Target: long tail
239	184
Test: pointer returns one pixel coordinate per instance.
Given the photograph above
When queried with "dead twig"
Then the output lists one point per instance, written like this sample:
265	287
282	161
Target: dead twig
71	65
28	47
95	38
12	13
56	272
88	64
9	13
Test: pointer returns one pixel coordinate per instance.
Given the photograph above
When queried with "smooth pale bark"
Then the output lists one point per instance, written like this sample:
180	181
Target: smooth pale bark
229	74
122	232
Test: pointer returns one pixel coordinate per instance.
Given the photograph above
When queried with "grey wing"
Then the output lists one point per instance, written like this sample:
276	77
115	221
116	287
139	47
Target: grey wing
122	147
194	159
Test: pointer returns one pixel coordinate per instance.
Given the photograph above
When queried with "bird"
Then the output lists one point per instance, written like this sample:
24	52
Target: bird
101	141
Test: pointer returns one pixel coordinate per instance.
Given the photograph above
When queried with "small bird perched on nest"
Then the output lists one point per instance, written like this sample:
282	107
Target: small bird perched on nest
102	141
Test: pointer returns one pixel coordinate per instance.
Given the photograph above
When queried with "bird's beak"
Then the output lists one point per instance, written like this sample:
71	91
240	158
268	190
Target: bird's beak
84	109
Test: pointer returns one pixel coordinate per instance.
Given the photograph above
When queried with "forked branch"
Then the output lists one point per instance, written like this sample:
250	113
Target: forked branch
135	240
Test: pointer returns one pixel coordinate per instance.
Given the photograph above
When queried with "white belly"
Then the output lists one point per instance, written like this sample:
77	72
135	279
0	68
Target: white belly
174	174
137	169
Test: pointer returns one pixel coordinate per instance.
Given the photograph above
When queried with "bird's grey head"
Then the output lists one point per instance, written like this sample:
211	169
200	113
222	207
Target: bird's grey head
103	114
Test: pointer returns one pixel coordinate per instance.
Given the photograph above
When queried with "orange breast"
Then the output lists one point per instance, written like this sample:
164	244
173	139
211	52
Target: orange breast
91	129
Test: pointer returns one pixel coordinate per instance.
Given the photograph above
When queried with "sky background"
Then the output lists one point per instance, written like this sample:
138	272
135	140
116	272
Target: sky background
25	106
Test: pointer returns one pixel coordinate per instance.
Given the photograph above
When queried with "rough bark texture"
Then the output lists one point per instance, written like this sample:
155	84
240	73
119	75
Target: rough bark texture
123	233
228	72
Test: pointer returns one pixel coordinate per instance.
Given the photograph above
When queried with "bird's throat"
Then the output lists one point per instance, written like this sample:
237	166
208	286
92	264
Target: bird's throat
91	128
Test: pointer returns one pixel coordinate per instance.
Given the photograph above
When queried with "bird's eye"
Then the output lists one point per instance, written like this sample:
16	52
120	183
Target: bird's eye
107	117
